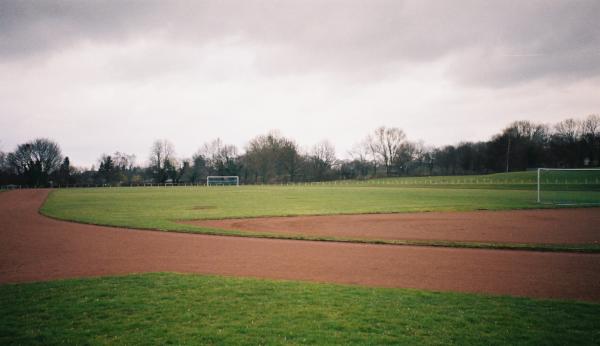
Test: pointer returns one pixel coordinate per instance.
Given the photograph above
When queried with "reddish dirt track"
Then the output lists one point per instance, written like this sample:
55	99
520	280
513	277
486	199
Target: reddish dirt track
33	248
564	226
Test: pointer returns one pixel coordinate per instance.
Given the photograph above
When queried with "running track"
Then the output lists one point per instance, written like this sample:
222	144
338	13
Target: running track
35	248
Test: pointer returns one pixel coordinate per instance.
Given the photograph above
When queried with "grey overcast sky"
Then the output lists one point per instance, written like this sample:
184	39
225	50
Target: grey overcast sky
102	76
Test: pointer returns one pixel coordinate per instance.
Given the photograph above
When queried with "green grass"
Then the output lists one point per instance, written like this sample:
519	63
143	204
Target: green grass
550	180
160	208
189	309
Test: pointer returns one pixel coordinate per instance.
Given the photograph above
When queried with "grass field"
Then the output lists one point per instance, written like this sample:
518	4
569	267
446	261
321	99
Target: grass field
161	208
193	309
188	309
524	180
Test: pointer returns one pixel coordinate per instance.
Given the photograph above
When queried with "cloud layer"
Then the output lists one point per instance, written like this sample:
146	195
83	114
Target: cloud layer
490	43
306	67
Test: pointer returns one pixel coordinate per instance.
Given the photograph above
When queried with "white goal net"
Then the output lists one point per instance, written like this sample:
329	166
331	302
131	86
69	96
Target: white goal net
568	186
222	180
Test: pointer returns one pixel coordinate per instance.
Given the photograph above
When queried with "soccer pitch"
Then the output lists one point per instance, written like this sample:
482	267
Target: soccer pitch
163	208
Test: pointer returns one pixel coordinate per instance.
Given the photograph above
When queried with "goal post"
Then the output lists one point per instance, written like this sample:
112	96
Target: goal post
223	180
568	186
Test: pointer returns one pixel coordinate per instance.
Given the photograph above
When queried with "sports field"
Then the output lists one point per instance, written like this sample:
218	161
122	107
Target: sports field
172	208
457	296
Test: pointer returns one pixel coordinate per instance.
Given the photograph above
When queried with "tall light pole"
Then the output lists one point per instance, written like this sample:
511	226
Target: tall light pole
508	153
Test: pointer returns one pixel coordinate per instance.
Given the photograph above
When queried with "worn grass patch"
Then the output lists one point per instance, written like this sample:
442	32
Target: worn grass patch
191	309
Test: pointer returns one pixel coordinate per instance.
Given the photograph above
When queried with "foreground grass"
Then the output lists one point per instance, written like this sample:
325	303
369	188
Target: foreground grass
162	208
189	309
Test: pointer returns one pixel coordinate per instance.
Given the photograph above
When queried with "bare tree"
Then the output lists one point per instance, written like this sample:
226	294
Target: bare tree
360	163
125	165
372	149
524	139
591	125
162	159
405	154
3	161
216	151
324	151
360	152
411	153
568	130
323	158
386	144
590	132
125	162
527	130
219	157
36	160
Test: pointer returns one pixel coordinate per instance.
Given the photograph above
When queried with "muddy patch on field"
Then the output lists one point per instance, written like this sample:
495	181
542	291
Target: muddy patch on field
204	207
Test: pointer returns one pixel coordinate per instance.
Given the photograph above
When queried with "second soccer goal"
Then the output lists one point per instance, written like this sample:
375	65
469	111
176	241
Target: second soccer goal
568	186
222	180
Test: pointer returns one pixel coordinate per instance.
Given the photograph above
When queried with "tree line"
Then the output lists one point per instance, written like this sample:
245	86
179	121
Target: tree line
273	158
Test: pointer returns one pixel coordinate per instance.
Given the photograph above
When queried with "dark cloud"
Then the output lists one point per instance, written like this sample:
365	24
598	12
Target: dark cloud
39	27
493	43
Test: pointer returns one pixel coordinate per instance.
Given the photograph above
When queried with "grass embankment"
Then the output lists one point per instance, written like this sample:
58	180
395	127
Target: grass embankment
161	208
550	181
188	309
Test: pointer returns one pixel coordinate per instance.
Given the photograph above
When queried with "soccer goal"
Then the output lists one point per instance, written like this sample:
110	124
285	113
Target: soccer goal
222	180
568	186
